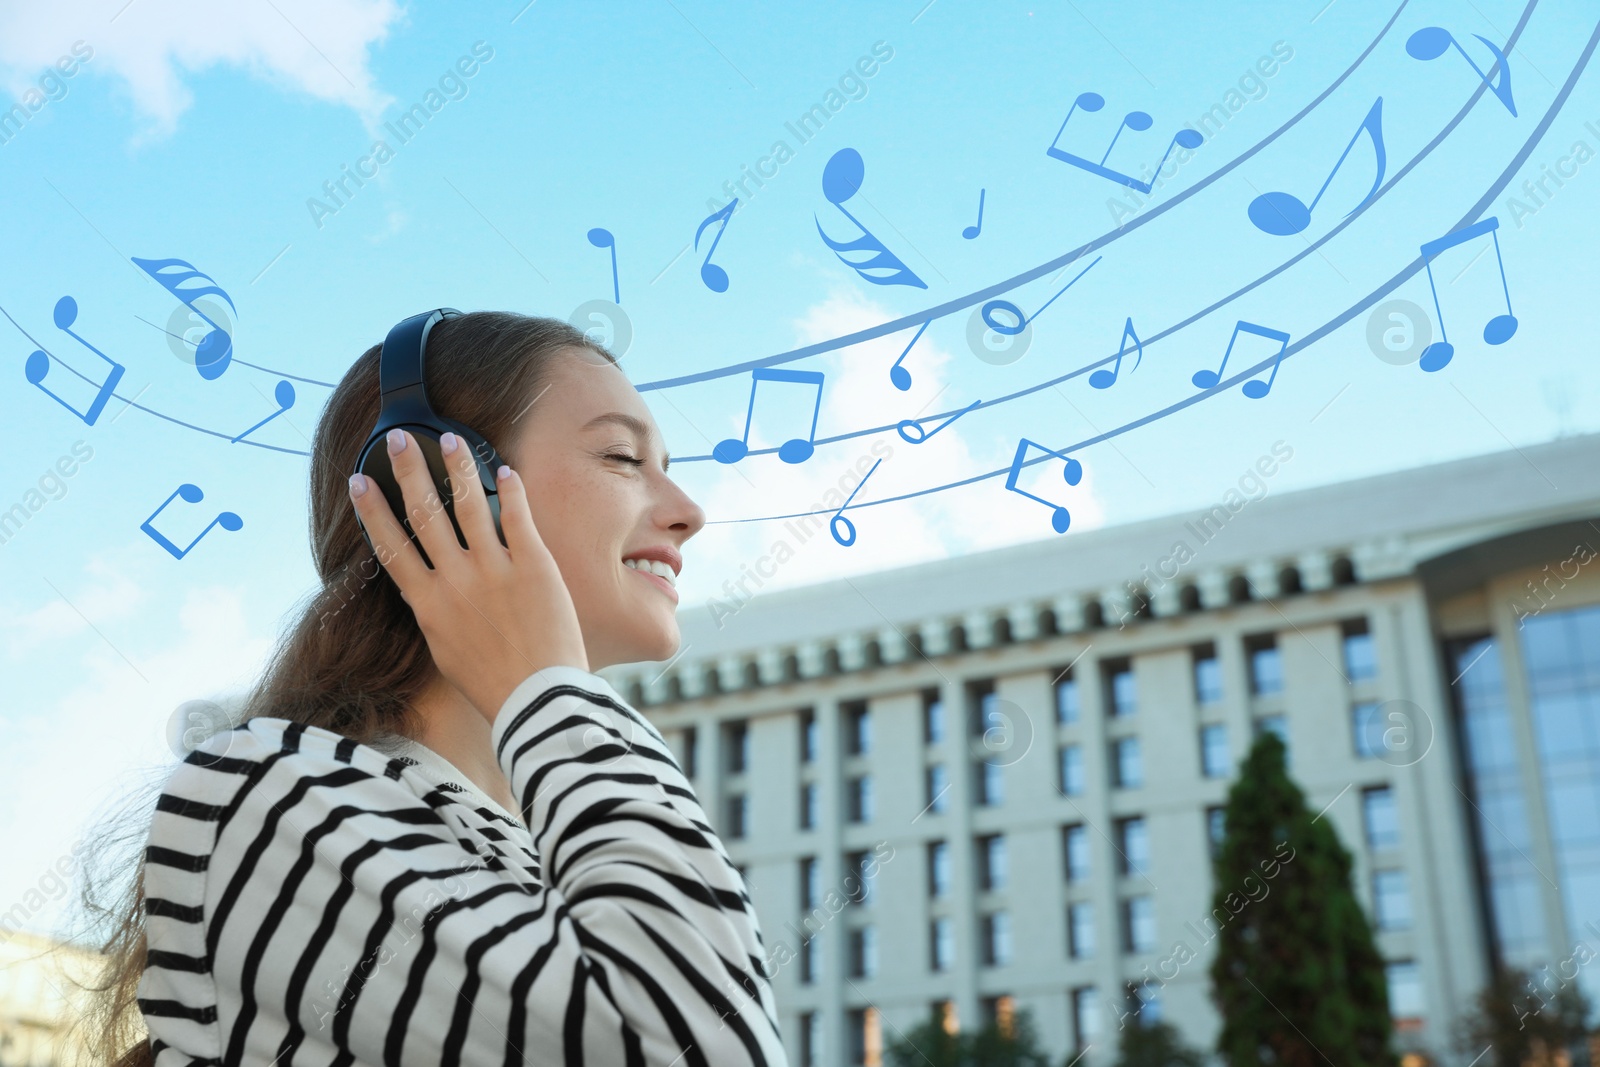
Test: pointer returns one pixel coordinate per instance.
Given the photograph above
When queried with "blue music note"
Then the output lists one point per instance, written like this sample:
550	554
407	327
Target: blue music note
1283	214
602	239
38	365
215	351
794	450
898	374
1073	473
1255	390
191	494
1105	379
1022	320
838	516
715	277
907	427
1499	329
1430	42
972	231
284	394
841	179
1137	121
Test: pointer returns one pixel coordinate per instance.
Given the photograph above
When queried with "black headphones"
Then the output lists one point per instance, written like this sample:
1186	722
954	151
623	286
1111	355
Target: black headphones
404	404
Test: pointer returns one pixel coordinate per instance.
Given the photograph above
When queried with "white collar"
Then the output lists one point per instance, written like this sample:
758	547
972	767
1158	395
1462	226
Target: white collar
441	771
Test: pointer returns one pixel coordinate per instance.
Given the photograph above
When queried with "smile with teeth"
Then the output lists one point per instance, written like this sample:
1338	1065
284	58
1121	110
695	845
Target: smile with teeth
655	567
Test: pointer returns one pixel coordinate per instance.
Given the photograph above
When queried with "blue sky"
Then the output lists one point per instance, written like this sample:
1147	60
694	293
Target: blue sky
195	135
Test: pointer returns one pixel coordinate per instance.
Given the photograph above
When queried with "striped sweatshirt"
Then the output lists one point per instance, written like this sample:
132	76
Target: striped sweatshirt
311	900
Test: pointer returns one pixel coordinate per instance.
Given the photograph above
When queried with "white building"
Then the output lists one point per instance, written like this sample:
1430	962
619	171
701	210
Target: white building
1028	746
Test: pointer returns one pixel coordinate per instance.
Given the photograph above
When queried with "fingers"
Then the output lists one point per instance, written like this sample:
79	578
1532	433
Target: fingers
424	508
516	520
394	549
466	493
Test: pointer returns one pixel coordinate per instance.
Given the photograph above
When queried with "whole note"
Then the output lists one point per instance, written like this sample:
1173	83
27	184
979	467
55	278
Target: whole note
715	277
1282	214
1105	379
972	231
602	238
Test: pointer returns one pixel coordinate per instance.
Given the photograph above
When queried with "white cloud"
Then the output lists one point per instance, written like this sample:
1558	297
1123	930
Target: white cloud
858	393
316	47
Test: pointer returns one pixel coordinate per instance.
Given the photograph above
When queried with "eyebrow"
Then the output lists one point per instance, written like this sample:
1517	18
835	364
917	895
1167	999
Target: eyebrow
638	427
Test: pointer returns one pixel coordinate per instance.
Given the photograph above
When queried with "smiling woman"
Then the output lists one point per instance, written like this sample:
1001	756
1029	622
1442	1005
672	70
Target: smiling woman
437	836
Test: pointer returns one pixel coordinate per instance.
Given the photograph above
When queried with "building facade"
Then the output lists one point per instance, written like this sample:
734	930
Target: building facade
995	782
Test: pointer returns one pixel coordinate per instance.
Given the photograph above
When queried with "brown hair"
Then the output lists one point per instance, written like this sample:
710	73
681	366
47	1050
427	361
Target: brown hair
355	659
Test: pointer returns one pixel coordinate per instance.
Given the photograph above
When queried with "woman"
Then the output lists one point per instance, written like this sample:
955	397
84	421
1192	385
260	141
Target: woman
437	837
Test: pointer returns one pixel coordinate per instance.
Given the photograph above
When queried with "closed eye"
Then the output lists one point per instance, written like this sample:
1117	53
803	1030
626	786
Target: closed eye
625	458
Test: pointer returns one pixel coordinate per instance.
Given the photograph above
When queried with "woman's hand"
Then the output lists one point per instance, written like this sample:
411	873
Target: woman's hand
492	614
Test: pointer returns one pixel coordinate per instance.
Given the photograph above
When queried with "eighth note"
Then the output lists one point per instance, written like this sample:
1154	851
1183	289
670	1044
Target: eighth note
794	450
1499	329
38	365
1255	390
1430	42
715	277
601	238
1105	379
838	516
191	494
1073	473
1283	214
284	394
898	374
972	231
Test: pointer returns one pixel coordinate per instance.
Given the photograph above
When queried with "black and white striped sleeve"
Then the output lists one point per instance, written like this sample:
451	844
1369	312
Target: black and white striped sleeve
344	913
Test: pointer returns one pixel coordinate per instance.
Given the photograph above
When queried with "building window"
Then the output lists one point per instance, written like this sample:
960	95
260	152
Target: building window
991	784
861	868
864	952
1360	654
1071	770
736	739
1275	724
1121	697
866	1037
997	939
946	1015
941	944
1405	989
938	869
1144	1002
932	717
810	806
858	729
690	750
1391	903
1066	700
1086	1016
1000	1012
1214	759
859	790
1216	828
1126	764
1366	726
1139	924
808	736
1080	931
1207	676
938	789
981	699
810	882
810	959
738	805
1380	818
1133	846
810	1038
1075	849
992	863
1266	668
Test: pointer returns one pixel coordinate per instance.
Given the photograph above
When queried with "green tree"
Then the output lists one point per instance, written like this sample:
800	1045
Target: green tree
1157	1045
1297	978
927	1045
1524	1022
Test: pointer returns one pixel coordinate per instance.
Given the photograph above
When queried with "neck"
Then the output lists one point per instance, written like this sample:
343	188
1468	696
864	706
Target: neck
456	730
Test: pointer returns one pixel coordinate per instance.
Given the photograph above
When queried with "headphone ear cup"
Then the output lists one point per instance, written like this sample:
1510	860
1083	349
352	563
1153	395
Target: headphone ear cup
488	461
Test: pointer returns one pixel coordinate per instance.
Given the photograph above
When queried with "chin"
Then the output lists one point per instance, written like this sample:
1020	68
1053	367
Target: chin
646	641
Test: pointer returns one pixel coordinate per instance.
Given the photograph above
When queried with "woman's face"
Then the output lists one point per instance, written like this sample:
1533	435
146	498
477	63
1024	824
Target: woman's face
595	469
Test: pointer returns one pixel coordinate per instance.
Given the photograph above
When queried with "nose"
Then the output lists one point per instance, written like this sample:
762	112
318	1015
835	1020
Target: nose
677	511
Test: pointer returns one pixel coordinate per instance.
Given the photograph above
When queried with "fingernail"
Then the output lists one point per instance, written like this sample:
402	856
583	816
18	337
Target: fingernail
397	441
358	485
503	473
448	442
